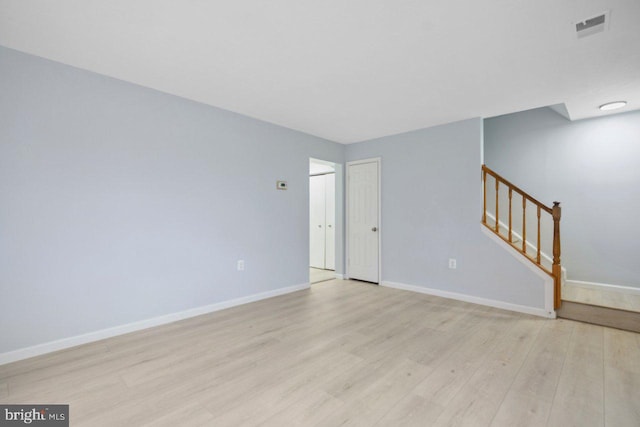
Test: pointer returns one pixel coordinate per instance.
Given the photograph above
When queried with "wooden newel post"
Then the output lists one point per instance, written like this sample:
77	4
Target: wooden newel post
497	200
484	195
557	267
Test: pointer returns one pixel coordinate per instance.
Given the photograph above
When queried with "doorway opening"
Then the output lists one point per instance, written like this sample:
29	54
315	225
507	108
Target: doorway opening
322	220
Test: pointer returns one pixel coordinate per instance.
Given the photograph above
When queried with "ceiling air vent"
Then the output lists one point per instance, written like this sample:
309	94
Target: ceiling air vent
594	25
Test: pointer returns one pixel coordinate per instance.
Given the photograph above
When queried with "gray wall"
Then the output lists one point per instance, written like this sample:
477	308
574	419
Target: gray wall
120	203
591	166
431	208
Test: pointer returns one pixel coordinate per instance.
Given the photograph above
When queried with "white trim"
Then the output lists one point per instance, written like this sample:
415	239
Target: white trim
548	280
39	349
339	276
593	285
472	299
378	161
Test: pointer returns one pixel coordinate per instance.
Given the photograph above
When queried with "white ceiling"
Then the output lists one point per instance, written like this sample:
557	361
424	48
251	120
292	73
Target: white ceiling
346	70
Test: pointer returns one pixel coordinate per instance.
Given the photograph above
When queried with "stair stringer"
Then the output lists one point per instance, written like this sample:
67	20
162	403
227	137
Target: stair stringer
548	259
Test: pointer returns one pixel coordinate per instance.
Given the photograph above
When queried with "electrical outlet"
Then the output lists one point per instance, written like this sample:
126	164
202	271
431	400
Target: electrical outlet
240	265
452	263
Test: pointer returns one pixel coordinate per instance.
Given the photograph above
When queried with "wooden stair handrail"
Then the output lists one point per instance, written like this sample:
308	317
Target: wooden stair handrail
517	189
555	212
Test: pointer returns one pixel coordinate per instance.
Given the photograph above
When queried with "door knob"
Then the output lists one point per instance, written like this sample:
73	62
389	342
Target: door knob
374	229
319	226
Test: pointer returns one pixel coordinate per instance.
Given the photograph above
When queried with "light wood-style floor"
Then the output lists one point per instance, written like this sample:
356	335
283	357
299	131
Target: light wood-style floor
345	353
604	297
319	275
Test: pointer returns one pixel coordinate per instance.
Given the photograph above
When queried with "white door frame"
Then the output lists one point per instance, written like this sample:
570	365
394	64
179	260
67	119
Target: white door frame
378	161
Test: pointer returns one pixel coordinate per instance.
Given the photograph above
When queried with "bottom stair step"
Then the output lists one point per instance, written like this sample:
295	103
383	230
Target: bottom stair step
603	316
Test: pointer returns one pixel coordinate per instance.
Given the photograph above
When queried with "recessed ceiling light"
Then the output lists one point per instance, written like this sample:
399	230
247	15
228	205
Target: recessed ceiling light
613	105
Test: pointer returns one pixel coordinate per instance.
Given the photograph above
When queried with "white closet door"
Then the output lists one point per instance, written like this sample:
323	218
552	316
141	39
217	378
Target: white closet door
330	231
317	221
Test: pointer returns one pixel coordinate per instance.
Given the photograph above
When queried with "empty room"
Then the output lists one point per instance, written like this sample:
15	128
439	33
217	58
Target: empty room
296	213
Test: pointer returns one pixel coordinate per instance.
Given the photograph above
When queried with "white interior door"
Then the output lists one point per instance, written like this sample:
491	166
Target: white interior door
317	221
363	208
330	216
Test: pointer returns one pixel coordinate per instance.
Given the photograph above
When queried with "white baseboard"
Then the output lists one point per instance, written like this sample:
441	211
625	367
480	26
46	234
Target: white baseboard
593	285
472	299
340	276
40	349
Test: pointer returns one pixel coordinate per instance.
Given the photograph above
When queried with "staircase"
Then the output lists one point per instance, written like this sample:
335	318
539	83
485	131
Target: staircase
515	232
505	209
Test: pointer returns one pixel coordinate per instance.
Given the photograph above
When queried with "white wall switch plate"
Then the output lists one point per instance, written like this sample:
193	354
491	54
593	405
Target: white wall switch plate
240	265
452	263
